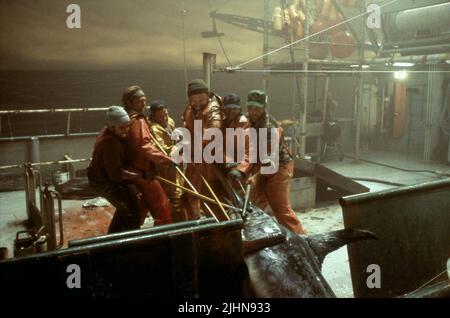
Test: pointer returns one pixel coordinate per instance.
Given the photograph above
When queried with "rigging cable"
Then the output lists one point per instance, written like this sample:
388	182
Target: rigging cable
218	36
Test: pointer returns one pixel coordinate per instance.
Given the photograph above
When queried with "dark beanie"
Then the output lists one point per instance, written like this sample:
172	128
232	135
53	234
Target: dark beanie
197	86
157	105
256	98
231	101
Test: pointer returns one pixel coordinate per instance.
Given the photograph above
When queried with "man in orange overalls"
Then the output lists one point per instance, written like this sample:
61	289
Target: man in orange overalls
144	156
109	172
234	120
270	189
205	108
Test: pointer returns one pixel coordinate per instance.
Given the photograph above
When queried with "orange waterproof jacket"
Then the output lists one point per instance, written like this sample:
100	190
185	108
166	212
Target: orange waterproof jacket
240	122
211	117
108	160
143	154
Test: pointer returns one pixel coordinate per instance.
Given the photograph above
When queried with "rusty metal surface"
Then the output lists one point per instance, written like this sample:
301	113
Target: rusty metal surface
413	224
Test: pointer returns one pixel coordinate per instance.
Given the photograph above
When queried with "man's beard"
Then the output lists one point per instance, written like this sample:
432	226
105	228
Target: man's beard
197	111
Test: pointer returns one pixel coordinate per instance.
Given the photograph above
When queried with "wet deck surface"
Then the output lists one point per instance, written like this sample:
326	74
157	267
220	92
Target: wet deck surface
82	222
79	222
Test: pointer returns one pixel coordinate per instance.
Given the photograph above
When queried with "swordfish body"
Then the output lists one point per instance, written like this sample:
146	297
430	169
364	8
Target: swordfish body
280	263
286	264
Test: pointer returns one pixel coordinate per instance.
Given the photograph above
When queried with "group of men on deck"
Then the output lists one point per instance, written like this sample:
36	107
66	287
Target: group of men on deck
132	150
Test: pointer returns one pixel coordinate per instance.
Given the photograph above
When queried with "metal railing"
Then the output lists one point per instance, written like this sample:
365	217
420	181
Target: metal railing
47	163
67	133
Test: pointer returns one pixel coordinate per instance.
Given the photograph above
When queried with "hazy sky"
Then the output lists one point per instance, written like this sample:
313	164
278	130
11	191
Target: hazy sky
119	34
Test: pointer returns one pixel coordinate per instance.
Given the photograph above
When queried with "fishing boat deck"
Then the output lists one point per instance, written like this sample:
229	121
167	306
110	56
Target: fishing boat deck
81	222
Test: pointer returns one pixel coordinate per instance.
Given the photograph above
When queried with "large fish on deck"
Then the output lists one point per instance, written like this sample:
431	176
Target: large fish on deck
281	263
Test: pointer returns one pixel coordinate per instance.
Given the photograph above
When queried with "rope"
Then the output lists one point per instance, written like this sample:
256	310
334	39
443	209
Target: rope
223	50
431	280
218	37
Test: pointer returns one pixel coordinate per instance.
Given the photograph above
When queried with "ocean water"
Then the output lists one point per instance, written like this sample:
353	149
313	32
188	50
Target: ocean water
73	89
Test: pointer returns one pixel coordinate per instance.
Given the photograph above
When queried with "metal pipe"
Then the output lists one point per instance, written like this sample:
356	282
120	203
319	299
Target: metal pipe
208	67
48	215
56	136
308	22
69	166
326	90
247	199
41	200
325	109
68	123
33	150
322	62
47	163
140	232
333	43
358	120
433	102
296	88
54	110
430	49
418	42
384	97
360	88
416	59
288	66
30	190
11	167
424	18
265	49
316	94
61	230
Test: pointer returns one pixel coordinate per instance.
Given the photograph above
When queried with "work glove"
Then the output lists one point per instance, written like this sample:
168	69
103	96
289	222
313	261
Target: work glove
236	174
251	181
230	165
177	164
